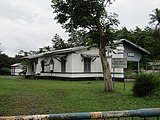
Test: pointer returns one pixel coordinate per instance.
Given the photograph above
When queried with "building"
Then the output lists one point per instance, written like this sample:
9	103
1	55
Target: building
16	69
80	62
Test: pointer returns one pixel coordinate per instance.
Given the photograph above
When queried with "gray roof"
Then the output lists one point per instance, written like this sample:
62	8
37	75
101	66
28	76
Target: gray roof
55	52
134	45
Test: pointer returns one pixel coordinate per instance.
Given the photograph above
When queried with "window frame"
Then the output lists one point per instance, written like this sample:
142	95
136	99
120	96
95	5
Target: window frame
87	64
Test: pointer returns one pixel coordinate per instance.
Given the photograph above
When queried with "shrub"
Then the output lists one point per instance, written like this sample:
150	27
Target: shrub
5	71
145	84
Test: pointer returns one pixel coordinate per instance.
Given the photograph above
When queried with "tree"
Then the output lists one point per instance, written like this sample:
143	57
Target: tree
77	38
44	49
122	33
155	18
90	15
23	53
47	48
5	64
58	42
147	38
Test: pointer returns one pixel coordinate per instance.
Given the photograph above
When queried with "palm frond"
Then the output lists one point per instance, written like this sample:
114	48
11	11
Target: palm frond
155	17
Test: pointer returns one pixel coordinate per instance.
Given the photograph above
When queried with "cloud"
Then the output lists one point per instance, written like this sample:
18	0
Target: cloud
9	10
27	36
26	25
30	24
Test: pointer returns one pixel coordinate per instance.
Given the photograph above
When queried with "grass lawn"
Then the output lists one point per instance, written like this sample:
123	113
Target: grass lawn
19	96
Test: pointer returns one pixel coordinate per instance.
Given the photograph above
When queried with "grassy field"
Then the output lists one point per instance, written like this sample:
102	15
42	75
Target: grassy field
19	96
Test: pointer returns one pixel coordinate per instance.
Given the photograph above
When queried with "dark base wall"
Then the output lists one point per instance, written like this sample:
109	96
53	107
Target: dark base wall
70	79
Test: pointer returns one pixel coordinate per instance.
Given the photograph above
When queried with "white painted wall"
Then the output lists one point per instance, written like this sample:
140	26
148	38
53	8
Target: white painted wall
28	69
16	69
78	62
69	62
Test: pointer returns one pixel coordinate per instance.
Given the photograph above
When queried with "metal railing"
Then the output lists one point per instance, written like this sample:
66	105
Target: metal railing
142	113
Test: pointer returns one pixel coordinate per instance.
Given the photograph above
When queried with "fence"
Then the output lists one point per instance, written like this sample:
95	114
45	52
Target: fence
142	113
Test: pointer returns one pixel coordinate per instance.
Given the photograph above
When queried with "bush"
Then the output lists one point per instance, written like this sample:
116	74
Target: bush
5	71
145	84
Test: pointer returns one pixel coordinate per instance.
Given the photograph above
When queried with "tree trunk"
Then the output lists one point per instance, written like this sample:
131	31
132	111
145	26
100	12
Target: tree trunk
102	52
106	70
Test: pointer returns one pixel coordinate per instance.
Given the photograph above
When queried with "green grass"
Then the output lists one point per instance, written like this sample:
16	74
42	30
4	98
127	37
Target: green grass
19	96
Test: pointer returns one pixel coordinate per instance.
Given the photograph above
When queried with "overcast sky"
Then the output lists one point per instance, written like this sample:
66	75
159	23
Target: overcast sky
29	24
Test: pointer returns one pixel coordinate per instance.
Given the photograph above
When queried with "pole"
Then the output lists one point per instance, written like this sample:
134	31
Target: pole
113	77
124	81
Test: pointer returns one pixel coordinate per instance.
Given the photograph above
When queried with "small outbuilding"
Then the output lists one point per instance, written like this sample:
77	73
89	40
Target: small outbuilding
16	69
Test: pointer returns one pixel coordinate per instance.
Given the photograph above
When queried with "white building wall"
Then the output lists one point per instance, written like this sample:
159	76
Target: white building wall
69	63
57	65
77	63
16	70
96	65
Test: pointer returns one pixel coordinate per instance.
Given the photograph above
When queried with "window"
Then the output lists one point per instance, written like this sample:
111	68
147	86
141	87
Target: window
130	54
63	65
87	64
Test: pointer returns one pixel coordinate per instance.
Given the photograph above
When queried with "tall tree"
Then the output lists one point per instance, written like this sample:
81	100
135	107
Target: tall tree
77	38
92	16
5	63
23	53
58	42
47	48
155	18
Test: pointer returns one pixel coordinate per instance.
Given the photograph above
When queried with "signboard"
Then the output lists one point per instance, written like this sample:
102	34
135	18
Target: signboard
119	62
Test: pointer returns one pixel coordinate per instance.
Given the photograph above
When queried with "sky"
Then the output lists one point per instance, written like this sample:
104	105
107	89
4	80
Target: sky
29	24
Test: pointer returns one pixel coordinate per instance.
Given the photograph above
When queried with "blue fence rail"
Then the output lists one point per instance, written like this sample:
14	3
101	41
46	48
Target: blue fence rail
142	113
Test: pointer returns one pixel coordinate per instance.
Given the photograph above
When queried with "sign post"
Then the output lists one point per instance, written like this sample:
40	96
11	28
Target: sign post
118	63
